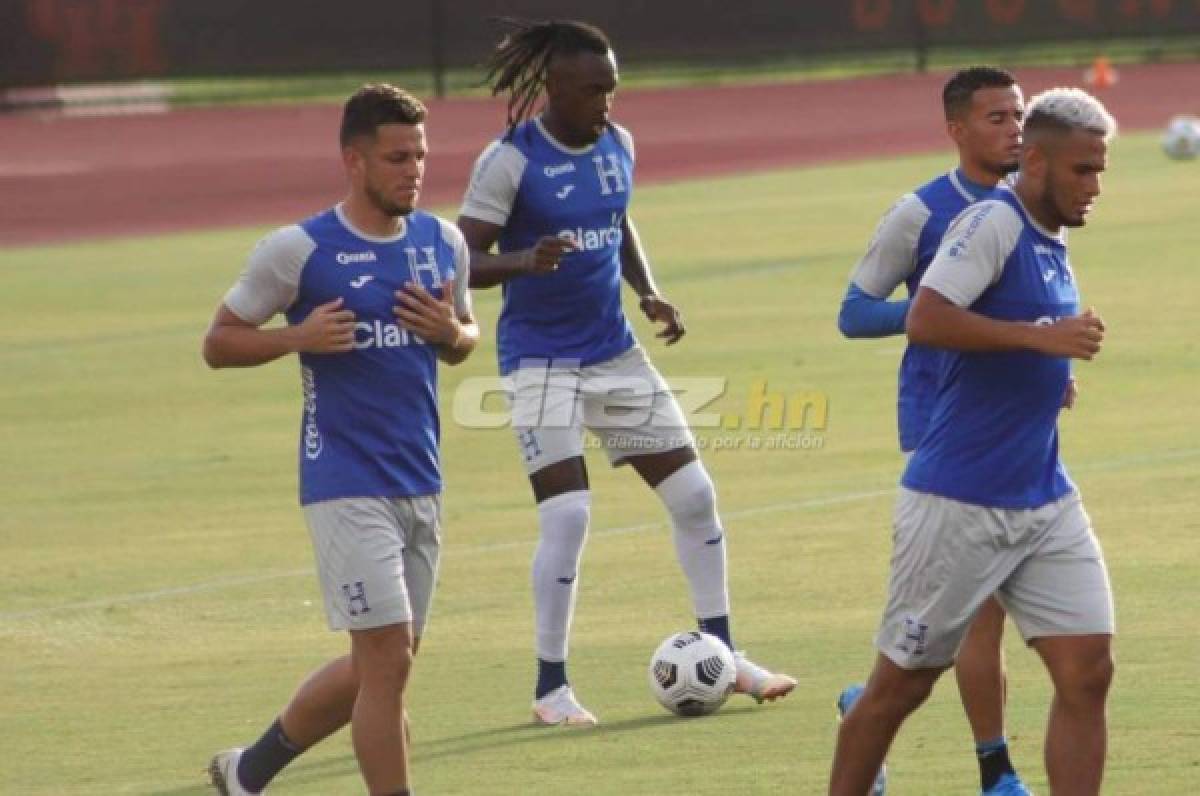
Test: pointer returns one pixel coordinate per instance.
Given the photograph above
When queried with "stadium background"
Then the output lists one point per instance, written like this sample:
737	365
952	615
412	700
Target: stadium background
121	592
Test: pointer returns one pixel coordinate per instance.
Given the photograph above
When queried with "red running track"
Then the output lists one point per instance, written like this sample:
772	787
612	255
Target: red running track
71	178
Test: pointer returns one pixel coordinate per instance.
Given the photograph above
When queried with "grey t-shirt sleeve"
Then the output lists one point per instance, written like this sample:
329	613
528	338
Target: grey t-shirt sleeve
494	182
626	139
462	267
271	279
891	255
972	254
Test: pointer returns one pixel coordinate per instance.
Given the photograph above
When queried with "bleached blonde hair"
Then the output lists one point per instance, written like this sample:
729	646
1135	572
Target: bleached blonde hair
1069	109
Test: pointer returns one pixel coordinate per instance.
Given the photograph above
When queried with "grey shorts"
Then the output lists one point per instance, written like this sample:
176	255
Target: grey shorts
623	401
377	559
1044	565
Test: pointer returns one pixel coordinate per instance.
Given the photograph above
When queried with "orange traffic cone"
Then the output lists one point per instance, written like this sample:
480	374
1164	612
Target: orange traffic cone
1100	74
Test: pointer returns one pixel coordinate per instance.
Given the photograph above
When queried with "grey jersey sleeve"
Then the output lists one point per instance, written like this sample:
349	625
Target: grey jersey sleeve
462	267
891	255
626	139
494	182
271	279
973	252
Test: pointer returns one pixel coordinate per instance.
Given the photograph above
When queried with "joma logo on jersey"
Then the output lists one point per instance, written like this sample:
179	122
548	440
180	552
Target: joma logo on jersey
377	334
590	240
349	258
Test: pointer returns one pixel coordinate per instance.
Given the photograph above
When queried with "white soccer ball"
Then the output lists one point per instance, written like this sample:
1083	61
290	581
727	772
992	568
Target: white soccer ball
1181	140
692	673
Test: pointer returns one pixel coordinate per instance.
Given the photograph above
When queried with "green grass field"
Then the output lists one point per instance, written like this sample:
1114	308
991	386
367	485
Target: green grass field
156	595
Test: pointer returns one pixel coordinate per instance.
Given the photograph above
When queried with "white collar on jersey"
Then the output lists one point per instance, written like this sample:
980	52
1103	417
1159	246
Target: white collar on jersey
401	231
559	145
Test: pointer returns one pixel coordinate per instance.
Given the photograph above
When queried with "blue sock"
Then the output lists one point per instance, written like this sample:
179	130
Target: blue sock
993	761
260	763
717	626
551	675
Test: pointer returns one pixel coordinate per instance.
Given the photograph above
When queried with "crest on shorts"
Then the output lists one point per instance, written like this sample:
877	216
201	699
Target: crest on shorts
915	636
356	598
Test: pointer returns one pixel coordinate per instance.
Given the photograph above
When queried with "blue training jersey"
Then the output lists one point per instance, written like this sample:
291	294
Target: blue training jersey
531	185
903	247
369	426
993	436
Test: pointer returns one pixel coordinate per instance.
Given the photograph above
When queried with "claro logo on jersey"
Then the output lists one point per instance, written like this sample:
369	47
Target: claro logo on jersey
377	334
960	244
349	258
590	240
312	434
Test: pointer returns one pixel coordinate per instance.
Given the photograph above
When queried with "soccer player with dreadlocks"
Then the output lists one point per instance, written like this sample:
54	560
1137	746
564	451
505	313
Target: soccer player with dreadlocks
552	196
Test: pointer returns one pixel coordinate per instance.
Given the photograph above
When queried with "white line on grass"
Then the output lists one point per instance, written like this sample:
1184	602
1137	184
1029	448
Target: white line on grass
1121	463
213	585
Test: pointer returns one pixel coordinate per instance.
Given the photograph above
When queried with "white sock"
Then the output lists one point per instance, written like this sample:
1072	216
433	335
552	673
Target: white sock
563	521
691	500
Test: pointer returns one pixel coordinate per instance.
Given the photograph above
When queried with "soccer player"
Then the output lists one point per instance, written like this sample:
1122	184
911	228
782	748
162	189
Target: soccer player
553	194
985	504
374	292
984	108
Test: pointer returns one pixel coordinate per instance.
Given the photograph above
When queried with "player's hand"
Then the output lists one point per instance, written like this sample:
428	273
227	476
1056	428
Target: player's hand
1070	394
1078	337
328	329
546	255
432	319
660	310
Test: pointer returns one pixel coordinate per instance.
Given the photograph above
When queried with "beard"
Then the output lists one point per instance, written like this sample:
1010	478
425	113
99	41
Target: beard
385	205
1050	202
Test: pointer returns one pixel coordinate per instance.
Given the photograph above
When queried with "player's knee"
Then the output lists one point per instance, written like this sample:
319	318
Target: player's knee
1088	680
891	701
690	497
565	517
912	691
383	658
897	691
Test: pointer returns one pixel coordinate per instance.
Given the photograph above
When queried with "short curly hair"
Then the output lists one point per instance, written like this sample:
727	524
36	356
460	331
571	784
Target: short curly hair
375	104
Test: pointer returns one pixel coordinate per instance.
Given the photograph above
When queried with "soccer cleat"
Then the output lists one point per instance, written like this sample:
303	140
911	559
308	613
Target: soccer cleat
222	773
762	685
845	701
1008	785
561	707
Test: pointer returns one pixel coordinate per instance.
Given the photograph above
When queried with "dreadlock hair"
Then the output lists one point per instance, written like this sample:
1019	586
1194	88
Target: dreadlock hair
961	87
518	64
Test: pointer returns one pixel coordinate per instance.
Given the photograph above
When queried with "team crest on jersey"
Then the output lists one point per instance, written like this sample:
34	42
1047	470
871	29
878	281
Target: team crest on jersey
612	171
423	261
